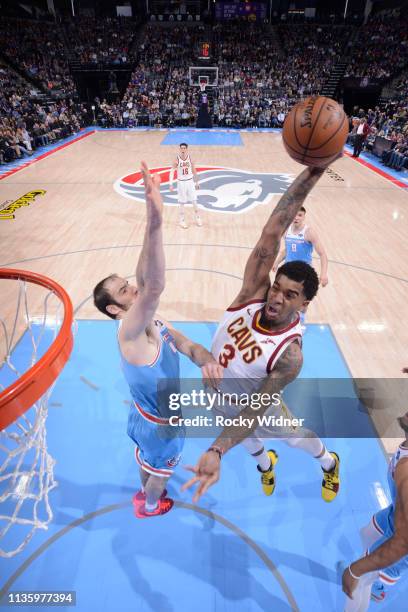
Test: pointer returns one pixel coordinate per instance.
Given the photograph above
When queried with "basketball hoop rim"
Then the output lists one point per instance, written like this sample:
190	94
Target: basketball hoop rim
25	391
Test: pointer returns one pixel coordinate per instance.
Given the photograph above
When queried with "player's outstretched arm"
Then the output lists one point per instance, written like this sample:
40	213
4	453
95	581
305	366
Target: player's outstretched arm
150	269
207	470
211	370
260	262
393	549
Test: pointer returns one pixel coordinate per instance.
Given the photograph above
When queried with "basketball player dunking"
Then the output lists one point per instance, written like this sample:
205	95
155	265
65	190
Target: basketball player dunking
187	183
258	342
149	349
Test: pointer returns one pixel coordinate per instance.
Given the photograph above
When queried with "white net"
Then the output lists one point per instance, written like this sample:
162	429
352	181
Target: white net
26	467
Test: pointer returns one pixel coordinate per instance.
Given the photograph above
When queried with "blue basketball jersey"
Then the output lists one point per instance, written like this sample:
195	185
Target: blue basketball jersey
384	522
390	516
297	247
150	385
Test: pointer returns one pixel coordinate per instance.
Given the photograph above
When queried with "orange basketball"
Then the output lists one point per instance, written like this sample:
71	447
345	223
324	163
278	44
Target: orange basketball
315	131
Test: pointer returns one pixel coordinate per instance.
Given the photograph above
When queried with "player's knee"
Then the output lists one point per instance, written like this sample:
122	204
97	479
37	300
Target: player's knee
293	442
253	445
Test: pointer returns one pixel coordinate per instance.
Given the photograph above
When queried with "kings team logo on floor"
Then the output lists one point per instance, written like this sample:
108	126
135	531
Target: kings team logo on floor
225	190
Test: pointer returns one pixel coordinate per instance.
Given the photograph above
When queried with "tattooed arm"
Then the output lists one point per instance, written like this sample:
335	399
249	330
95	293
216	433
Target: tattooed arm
260	262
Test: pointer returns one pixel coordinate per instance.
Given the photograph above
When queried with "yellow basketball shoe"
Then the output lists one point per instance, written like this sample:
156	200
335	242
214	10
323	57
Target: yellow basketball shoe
268	477
331	480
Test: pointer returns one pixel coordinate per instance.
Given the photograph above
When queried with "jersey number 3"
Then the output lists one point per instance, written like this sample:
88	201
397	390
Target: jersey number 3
226	355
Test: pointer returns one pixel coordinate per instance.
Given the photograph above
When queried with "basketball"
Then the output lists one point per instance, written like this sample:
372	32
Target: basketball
315	131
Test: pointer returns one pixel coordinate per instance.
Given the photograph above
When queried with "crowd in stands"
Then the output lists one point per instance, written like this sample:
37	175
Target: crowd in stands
380	48
400	95
37	49
260	76
159	91
101	41
310	53
26	124
389	122
255	88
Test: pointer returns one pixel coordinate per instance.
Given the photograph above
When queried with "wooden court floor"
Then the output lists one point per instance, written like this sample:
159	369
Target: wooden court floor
81	230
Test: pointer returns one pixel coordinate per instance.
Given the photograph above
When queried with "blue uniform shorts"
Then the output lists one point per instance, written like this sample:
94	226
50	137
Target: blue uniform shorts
158	447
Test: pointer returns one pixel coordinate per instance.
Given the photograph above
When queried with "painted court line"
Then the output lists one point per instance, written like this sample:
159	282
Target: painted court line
44	155
378	171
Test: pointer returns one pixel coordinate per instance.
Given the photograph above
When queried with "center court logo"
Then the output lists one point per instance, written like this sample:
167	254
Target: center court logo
226	190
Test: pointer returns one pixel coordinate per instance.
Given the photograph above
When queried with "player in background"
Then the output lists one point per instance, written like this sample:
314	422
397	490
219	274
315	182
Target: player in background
299	242
187	184
149	350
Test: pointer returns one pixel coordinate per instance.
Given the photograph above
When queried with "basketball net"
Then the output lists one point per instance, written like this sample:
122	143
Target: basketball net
26	467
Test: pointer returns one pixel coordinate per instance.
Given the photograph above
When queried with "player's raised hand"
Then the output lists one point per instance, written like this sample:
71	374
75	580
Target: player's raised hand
207	473
212	373
324	280
154	200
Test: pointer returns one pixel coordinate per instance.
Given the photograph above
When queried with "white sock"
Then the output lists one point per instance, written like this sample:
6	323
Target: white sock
264	461
257	450
326	461
151	507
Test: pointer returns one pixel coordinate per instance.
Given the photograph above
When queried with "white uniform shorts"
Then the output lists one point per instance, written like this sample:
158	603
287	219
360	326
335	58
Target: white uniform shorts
186	191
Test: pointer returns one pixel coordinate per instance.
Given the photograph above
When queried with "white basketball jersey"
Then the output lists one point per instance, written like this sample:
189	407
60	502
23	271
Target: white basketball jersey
246	350
184	169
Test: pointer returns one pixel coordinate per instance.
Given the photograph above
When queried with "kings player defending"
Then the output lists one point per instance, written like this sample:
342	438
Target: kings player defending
259	344
149	350
187	183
